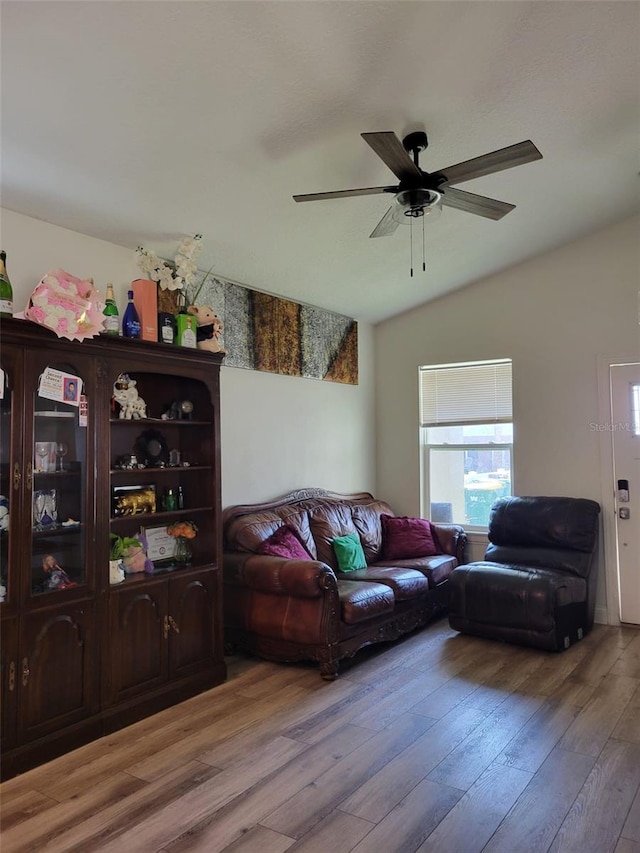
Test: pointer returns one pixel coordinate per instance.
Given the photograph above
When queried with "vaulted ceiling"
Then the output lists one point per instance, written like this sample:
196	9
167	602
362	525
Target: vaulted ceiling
140	122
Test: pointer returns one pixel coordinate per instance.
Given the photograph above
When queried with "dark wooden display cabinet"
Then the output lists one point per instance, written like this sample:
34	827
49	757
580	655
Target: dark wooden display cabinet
81	656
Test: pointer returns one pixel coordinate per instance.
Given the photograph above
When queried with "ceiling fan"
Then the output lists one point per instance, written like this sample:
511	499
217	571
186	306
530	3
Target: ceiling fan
419	192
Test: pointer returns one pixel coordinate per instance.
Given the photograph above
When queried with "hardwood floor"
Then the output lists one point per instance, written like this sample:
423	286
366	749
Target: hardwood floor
439	743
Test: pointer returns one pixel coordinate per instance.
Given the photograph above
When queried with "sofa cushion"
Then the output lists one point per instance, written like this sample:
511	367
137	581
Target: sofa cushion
284	542
405	583
361	601
366	517
436	569
349	553
404	537
545	522
328	520
246	532
512	596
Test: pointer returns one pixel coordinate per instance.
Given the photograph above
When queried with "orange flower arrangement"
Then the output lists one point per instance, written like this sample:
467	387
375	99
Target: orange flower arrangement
182	530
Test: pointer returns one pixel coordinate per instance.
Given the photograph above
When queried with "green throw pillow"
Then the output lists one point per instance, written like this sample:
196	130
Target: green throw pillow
349	553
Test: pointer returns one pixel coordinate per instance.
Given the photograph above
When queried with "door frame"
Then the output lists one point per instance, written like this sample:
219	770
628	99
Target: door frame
607	489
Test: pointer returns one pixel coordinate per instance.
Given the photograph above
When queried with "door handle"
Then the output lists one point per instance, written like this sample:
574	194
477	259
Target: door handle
174	624
25	671
17	476
12	676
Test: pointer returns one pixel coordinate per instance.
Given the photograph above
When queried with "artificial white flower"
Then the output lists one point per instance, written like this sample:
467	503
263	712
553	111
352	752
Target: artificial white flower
172	277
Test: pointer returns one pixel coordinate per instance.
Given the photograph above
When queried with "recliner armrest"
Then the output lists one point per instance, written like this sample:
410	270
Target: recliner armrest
277	575
452	539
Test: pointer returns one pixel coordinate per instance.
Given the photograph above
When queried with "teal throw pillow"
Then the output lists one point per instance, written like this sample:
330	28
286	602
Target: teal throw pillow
349	553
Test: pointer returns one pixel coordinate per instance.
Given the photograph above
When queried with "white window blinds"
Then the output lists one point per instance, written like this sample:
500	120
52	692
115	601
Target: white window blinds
476	393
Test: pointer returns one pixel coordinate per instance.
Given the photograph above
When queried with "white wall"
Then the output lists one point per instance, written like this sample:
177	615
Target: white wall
278	432
553	315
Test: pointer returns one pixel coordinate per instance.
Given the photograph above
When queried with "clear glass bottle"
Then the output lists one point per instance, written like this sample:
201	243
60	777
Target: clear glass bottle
130	319
111	313
6	291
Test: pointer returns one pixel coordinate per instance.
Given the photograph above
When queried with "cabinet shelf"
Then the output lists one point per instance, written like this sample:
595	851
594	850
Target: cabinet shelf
168	469
57	530
164	517
142	422
56	474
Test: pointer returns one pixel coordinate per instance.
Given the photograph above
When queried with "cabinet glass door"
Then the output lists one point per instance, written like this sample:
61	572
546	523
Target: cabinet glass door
5	481
59	499
10	473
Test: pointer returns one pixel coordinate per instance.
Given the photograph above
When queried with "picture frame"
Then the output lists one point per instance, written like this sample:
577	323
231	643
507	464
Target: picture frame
133	500
161	548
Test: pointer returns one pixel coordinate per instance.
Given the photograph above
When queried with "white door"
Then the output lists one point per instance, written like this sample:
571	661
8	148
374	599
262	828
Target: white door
625	431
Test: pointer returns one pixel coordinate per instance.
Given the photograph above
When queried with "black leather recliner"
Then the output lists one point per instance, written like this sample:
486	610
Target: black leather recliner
537	583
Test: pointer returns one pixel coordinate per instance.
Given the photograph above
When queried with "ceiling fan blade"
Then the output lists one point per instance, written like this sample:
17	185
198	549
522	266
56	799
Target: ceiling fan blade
345	193
389	148
490	208
496	161
386	226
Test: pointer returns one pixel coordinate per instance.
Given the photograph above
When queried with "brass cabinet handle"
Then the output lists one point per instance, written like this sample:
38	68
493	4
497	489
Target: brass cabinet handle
174	624
25	671
17	476
29	480
165	630
12	676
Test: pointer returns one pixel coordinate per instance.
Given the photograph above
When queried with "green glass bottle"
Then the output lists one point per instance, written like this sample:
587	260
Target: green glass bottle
111	313
6	291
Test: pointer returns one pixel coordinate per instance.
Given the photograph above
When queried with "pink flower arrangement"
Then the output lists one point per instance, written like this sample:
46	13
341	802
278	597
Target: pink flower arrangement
68	305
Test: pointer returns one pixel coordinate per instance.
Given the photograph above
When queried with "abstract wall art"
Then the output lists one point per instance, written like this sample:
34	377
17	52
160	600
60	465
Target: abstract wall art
275	335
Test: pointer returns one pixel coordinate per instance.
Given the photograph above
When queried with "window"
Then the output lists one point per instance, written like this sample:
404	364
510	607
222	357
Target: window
466	438
635	408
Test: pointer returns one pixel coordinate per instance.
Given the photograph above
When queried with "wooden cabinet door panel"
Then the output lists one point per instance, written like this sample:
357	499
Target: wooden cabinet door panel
9	676
192	607
138	639
57	669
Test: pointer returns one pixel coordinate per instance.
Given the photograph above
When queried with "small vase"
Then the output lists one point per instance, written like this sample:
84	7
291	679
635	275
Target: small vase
183	552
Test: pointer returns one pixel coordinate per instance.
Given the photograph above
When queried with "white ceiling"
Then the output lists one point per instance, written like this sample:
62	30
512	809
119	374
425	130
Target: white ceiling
140	122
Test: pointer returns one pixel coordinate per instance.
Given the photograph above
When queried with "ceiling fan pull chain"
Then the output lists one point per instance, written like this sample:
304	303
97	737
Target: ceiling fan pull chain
411	243
424	265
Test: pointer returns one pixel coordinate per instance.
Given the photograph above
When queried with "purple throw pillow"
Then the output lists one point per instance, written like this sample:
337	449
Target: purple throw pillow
284	542
404	538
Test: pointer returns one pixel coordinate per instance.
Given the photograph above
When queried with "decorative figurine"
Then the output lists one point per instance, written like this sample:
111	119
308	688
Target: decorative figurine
125	394
132	503
179	410
57	578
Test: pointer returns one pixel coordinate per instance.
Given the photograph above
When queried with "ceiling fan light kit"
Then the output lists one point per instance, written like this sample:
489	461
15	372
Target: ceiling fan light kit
421	193
415	203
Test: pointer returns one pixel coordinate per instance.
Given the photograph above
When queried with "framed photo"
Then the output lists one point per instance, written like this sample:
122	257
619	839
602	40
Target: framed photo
160	546
133	500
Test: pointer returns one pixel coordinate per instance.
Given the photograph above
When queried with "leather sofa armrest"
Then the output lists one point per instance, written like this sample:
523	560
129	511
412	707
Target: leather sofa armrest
277	575
452	539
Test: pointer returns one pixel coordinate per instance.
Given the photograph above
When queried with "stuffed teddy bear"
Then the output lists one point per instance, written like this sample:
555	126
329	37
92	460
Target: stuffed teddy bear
209	328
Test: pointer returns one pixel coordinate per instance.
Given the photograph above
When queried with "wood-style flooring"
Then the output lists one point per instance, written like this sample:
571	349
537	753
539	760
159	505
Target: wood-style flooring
439	743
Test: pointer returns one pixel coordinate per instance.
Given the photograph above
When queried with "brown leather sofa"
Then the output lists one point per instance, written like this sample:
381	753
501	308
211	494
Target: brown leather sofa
294	609
537	583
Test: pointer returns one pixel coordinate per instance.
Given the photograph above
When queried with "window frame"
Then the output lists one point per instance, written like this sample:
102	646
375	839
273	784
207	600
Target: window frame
426	447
